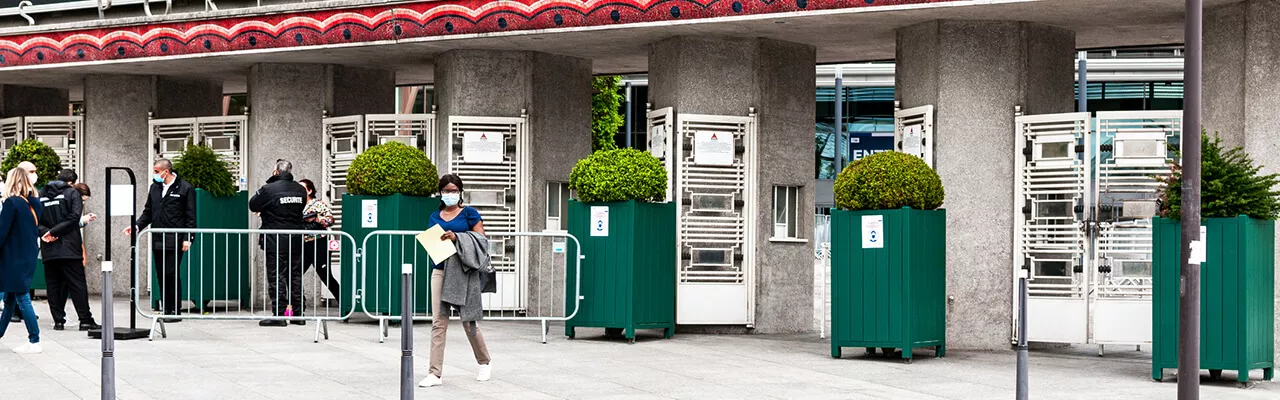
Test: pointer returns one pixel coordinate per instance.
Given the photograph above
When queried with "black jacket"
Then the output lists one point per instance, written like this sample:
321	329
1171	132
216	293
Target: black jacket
61	219
175	209
280	203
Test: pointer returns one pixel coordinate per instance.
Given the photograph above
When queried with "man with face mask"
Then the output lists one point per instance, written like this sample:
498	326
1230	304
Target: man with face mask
280	203
171	203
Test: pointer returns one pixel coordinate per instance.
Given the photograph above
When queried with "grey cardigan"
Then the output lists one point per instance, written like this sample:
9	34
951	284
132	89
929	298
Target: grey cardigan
465	275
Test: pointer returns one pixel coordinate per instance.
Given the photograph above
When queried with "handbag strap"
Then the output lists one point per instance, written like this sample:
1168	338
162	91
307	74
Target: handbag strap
34	217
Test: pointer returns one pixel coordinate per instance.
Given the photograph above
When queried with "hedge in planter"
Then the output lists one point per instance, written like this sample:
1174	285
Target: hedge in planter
47	166
1237	279
628	278
888	264
221	261
395	180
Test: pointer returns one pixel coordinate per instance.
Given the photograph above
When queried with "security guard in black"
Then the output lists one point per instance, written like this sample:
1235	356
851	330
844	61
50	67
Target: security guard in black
280	203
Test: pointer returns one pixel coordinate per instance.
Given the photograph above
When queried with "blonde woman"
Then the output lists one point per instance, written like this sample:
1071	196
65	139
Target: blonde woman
19	245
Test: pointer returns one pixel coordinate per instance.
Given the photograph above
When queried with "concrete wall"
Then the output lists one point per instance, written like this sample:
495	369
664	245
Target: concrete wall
974	73
187	97
555	91
728	76
1241	82
23	101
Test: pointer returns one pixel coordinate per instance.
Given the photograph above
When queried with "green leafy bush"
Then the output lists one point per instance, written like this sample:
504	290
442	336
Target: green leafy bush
605	119
1230	185
205	170
619	175
889	180
390	168
46	160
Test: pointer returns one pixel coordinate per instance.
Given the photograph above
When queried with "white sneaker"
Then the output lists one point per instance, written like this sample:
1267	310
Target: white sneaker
431	380
29	348
484	373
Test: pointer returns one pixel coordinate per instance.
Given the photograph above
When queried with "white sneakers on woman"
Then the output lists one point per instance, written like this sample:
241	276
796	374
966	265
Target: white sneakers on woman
483	374
29	348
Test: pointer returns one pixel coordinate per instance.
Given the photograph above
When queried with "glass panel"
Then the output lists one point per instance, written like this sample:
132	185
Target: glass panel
710	257
706	202
1055	150
779	205
1053	268
171	145
1054	209
553	200
1140	148
793	202
222	143
1133	269
343	145
484	197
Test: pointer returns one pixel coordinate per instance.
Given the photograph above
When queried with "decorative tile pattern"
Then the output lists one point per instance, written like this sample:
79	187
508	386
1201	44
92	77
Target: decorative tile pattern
381	23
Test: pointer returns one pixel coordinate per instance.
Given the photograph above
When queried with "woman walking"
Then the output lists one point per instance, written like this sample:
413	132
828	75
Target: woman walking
456	220
19	246
315	248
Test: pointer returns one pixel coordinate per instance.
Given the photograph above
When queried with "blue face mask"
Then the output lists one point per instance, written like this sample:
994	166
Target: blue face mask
451	199
157	178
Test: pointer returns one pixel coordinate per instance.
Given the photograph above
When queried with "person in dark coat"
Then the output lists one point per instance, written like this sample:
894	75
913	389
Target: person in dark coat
63	250
280	203
19	244
171	203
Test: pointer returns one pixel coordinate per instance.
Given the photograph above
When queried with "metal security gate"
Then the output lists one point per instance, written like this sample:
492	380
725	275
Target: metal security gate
715	160
1086	191
913	132
661	143
61	133
347	137
224	135
491	155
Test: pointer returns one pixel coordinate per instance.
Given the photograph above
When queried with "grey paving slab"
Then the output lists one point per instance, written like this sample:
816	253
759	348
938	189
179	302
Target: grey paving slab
239	360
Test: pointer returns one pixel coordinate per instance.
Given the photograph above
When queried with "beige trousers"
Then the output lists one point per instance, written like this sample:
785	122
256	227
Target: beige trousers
440	325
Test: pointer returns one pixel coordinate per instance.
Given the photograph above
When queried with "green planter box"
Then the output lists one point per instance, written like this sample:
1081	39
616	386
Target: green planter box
385	254
222	265
1237	296
894	296
628	277
37	281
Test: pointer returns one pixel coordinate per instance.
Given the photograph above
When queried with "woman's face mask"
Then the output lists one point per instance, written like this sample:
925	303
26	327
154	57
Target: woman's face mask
451	199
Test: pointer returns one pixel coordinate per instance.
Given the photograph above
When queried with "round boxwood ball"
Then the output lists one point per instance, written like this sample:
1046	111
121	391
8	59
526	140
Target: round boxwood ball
888	180
390	168
46	160
619	175
206	170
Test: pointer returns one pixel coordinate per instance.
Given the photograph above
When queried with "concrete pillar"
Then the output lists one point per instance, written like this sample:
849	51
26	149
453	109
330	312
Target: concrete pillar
1241	82
23	101
728	76
116	135
287	103
974	73
555	91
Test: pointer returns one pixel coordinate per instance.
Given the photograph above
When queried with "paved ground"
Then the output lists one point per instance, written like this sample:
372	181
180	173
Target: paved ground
238	360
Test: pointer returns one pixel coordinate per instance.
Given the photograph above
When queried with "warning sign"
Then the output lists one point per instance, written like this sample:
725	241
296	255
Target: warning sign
713	148
483	147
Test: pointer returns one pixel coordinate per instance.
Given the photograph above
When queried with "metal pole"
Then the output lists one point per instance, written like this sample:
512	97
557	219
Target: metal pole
1023	390
1189	307
626	107
840	141
1082	71
406	332
108	331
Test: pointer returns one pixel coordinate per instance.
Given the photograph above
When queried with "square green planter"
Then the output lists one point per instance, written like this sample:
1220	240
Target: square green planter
222	260
38	281
1237	296
385	254
892	296
628	277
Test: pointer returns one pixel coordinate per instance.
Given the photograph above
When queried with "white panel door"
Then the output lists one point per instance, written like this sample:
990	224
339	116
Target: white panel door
913	132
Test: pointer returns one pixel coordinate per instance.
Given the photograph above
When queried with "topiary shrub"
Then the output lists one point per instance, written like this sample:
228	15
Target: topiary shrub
619	175
889	180
205	170
1230	185
46	160
390	168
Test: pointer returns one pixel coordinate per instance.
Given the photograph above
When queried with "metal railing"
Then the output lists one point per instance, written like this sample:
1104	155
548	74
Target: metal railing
282	276
533	291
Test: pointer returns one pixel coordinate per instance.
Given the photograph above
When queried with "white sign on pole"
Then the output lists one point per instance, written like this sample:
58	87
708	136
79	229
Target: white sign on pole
1199	248
369	213
912	140
599	221
658	141
713	148
483	147
121	200
873	231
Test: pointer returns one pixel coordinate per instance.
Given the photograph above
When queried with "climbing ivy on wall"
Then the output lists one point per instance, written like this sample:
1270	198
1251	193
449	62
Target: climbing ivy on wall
605	119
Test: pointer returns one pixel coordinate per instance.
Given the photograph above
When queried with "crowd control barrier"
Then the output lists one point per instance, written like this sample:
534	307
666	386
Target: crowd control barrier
228	274
526	291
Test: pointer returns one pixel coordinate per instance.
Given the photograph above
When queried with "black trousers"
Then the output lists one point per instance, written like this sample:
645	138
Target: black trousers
167	262
66	277
284	274
316	253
